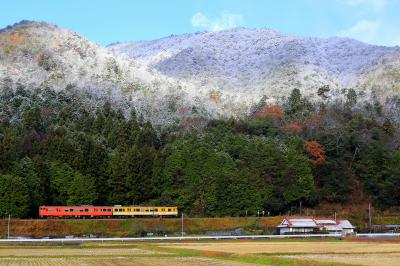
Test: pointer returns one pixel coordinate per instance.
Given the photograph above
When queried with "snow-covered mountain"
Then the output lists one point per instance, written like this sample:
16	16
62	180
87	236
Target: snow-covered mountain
187	78
266	62
41	55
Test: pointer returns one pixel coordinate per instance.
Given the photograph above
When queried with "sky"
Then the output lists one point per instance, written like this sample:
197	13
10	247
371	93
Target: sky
108	21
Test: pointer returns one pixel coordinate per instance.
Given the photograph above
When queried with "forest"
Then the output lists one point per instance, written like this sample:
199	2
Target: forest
56	149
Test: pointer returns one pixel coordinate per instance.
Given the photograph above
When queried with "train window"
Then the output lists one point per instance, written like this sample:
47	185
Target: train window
147	210
156	210
169	210
86	210
138	210
109	210
66	210
71	210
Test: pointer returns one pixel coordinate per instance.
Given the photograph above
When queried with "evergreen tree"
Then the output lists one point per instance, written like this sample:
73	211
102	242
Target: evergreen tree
14	198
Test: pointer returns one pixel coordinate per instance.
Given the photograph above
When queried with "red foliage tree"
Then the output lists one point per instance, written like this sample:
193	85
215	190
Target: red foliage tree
272	110
316	150
292	129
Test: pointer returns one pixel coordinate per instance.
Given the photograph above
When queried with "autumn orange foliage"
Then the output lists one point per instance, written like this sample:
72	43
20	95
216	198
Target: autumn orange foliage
215	96
272	110
292	129
16	38
316	150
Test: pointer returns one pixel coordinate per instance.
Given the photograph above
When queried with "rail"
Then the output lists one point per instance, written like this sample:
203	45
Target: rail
167	238
184	238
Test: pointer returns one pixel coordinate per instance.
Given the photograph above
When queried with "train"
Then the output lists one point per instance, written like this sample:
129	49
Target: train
116	211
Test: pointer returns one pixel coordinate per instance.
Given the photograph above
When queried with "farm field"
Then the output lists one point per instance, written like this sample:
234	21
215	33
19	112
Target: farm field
231	253
307	252
284	247
121	261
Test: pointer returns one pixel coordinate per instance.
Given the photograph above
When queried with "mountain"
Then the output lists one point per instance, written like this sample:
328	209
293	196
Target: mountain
253	62
190	78
42	55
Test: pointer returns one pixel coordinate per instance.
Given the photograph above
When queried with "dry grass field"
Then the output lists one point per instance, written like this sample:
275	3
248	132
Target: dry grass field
219	253
121	261
308	252
284	247
387	259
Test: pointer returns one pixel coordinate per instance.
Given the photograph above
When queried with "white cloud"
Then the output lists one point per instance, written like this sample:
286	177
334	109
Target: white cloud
226	20
373	32
375	4
363	30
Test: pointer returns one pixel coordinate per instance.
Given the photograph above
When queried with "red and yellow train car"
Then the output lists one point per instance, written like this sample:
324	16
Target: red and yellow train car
75	211
107	211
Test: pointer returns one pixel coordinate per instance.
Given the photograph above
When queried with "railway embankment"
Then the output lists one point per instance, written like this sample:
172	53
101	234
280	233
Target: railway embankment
136	227
142	227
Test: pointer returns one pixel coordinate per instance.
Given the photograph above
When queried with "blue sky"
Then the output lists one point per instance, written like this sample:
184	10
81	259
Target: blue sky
106	21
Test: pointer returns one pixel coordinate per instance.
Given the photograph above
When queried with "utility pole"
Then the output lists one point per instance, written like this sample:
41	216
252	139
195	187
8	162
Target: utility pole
369	216
300	209
182	224
335	217
8	227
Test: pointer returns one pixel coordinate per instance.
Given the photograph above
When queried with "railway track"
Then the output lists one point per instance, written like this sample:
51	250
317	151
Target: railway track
186	238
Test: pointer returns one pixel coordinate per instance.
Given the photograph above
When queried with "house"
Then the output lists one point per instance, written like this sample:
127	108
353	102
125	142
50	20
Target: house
298	225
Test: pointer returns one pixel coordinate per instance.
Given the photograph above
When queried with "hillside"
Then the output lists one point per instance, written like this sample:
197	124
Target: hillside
85	125
41	55
191	78
266	62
